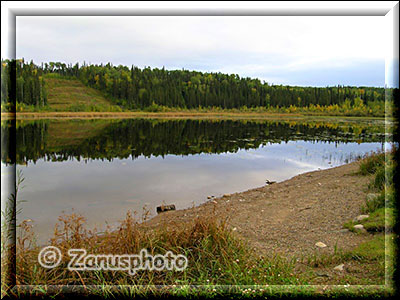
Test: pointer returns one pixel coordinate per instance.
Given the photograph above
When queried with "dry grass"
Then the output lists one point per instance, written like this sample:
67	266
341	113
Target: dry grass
215	256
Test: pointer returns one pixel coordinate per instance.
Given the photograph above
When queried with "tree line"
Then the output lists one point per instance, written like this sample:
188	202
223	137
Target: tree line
22	82
135	88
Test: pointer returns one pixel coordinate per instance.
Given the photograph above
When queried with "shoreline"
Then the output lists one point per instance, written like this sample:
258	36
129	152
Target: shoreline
279	226
290	216
173	115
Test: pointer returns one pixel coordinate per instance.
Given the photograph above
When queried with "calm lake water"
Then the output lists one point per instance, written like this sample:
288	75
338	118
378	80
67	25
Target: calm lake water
103	168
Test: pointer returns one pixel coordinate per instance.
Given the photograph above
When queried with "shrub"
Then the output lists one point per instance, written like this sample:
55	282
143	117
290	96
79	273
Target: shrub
371	163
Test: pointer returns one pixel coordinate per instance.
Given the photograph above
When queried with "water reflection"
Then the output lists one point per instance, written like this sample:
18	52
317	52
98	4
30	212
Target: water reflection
103	168
105	139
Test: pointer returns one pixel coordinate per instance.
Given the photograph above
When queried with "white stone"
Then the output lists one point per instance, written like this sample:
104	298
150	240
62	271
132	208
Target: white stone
359	226
320	244
360	218
339	267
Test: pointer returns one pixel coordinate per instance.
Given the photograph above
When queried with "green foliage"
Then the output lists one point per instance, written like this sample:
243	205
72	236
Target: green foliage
381	207
380	218
373	250
371	163
376	220
375	202
384	175
158	90
381	166
23	83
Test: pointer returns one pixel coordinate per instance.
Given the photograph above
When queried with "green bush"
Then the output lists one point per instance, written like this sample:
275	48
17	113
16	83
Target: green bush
382	167
371	163
383	176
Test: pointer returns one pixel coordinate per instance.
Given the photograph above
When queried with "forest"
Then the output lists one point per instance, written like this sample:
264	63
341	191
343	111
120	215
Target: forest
133	88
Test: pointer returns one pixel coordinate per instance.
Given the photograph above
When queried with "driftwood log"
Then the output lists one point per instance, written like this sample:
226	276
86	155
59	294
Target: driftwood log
164	208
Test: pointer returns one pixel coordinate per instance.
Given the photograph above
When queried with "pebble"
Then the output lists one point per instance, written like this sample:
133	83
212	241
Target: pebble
359	227
339	267
360	218
320	244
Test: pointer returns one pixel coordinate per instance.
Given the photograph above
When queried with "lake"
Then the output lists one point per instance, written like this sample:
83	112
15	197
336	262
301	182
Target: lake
103	168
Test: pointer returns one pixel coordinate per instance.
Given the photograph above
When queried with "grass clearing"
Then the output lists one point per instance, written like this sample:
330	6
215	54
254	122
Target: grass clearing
72	95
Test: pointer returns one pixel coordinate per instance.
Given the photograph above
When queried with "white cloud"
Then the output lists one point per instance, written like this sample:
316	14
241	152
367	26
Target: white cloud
244	45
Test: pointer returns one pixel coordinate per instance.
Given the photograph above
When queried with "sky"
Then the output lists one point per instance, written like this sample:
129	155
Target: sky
306	51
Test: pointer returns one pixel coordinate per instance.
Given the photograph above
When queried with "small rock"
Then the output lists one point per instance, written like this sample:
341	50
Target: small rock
339	267
234	229
209	197
319	183
320	244
164	208
226	195
359	227
360	218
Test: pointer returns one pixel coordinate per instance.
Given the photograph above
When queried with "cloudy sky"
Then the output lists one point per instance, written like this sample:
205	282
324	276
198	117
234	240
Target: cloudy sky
308	51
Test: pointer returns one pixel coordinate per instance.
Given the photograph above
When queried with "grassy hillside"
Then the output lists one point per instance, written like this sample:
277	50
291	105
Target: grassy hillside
72	95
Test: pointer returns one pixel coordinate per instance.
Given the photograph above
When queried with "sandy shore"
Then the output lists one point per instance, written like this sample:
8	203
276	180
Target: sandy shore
289	217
